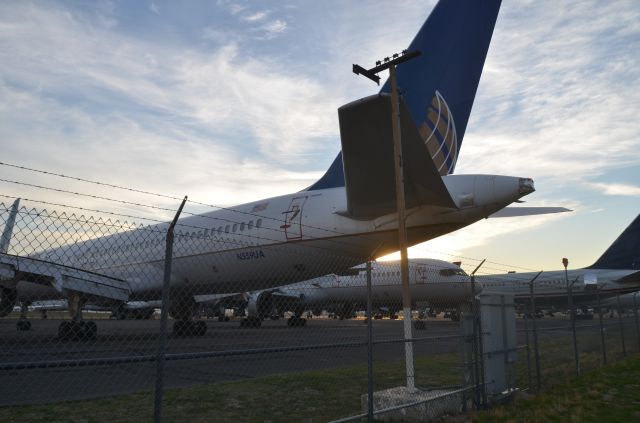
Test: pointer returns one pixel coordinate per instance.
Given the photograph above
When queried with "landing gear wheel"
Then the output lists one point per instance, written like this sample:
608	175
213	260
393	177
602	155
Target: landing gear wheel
251	322
189	328
295	321
78	331
419	325
23	325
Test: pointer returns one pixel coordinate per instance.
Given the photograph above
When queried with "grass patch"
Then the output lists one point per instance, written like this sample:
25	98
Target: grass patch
608	394
315	396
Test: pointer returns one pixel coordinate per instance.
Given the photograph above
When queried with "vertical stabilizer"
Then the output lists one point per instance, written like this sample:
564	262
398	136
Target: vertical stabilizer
624	253
440	85
5	240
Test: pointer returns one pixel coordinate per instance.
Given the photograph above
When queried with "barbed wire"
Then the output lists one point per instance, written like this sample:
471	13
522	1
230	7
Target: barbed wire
229	241
148	193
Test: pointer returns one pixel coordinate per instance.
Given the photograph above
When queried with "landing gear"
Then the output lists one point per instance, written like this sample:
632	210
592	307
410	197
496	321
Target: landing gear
189	328
23	324
251	322
419	325
295	321
77	330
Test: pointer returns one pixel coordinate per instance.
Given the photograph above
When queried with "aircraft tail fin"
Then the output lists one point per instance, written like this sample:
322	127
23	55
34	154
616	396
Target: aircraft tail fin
624	253
5	240
439	86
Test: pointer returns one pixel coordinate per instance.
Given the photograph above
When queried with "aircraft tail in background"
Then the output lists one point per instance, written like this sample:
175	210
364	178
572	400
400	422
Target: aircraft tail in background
624	253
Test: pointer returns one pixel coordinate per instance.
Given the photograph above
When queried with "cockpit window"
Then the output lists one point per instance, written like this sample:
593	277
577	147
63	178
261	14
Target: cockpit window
452	272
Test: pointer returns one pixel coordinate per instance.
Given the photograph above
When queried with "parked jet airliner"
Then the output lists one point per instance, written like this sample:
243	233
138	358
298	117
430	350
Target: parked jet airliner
436	282
443	285
340	221
616	272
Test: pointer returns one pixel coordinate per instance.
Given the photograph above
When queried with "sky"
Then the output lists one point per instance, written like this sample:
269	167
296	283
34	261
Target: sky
234	101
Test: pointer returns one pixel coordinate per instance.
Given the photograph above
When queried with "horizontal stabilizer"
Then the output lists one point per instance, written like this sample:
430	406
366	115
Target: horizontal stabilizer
528	211
367	154
631	278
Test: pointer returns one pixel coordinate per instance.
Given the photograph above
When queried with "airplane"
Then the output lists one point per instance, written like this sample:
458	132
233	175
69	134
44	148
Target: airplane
436	282
345	218
616	272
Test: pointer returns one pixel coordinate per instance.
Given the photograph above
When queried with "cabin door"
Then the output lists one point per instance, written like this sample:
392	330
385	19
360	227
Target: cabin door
293	219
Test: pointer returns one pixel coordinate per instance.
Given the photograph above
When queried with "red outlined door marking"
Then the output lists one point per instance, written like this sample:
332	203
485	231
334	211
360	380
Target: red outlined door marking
293	218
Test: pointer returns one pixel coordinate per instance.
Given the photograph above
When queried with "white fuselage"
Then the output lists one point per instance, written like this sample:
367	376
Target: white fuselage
275	241
430	281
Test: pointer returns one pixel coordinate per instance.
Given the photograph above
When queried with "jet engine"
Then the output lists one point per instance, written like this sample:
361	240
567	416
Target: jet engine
8	299
265	303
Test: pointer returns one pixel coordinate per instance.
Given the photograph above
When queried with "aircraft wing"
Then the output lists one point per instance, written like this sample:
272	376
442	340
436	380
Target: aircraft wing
528	211
367	154
65	279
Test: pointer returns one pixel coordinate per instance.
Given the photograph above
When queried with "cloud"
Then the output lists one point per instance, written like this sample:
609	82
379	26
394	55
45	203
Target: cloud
275	27
256	16
616	189
70	84
557	95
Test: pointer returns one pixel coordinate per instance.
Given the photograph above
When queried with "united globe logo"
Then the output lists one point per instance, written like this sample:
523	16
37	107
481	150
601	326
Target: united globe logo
438	131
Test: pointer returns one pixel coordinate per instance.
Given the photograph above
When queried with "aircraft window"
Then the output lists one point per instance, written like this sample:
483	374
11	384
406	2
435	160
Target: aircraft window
242	226
219	230
226	229
258	223
250	225
447	272
235	227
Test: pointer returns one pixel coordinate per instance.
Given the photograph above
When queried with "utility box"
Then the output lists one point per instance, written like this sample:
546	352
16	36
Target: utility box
499	349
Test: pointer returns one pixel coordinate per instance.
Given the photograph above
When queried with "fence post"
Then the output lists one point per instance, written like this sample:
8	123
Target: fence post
624	347
635	314
604	345
526	339
164	311
572	314
369	348
477	336
535	330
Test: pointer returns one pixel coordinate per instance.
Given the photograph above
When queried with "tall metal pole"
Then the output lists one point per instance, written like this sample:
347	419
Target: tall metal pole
402	229
168	256
572	313
400	198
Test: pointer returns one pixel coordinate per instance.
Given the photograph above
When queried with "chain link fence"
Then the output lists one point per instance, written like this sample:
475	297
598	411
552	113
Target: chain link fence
82	301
